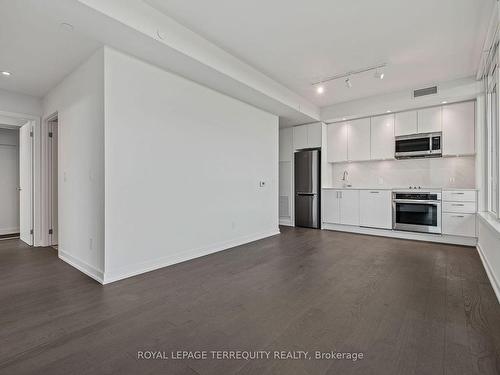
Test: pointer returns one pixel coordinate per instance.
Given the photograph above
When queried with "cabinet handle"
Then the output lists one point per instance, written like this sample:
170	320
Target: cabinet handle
458	193
457	204
458	215
374	192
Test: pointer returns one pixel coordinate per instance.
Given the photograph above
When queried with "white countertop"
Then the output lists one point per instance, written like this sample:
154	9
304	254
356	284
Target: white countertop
391	188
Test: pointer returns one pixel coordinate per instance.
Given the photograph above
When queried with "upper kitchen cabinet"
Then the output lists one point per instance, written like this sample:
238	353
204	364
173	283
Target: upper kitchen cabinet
458	129
300	137
358	140
382	137
405	123
314	135
337	135
429	120
286	144
307	136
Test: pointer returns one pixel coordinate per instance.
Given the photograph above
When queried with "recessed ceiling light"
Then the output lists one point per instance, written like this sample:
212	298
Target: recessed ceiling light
343	118
66	26
320	89
5	73
388	111
444	102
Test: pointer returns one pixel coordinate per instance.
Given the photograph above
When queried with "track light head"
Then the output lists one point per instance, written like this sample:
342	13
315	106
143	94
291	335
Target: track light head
348	83
379	75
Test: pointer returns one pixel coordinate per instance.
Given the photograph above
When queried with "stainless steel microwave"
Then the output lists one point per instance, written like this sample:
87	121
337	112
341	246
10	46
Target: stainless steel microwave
426	145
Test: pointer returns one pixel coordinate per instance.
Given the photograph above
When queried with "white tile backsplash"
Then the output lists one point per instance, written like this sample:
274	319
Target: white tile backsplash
452	172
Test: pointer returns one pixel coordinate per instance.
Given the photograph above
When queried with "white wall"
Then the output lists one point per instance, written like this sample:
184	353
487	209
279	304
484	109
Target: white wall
452	172
9	181
488	245
79	101
20	103
183	165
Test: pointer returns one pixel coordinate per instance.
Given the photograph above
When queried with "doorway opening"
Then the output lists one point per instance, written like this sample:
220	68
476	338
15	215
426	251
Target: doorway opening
53	187
9	184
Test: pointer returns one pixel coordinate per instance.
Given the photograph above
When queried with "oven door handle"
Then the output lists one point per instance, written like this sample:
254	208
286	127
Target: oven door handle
416	201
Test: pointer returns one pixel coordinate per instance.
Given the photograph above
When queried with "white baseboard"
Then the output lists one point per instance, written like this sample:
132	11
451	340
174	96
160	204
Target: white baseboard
286	222
136	269
493	280
81	266
8	231
440	238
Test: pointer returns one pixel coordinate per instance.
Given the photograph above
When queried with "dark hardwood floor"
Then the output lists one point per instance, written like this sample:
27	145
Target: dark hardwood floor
409	307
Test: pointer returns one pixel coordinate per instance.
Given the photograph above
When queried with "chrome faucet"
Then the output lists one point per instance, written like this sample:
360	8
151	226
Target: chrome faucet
344	175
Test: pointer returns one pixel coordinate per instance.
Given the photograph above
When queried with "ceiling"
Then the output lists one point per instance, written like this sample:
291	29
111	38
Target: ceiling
296	42
35	49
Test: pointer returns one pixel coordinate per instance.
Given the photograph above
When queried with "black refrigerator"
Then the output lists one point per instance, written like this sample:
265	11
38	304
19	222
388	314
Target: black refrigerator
307	188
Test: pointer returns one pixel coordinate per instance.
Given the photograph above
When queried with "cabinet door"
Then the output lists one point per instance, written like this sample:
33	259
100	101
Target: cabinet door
337	142
382	137
300	137
349	207
458	129
375	209
358	146
314	135
330	207
405	123
429	120
286	144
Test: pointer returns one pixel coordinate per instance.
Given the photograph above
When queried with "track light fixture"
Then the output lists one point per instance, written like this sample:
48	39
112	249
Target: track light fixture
379	74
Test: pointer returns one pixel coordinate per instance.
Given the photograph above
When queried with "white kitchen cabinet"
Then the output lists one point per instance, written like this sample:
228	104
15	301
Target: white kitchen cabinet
459	129
331	206
459	195
382	137
459	212
429	120
286	144
314	135
337	135
405	123
458	224
300	137
349	207
375	209
341	206
358	140
307	136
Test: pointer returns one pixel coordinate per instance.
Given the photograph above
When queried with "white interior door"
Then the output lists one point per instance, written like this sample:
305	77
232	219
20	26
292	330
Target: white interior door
26	183
53	188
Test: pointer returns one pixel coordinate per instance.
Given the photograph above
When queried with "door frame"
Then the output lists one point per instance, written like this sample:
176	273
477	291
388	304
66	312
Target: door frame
50	175
45	175
35	172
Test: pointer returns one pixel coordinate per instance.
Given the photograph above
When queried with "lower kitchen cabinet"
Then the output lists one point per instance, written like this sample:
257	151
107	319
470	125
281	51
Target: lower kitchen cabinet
459	224
331	206
375	209
341	206
459	213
